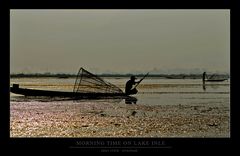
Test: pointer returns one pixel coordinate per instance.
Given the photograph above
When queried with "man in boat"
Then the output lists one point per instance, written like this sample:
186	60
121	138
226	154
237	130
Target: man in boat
129	86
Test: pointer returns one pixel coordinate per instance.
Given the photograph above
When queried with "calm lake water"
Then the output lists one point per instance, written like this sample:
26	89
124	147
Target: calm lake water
152	91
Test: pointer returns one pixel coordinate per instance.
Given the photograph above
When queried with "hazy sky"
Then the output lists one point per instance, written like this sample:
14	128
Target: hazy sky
119	40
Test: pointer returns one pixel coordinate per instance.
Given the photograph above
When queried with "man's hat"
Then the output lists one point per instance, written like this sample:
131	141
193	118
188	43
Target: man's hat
133	78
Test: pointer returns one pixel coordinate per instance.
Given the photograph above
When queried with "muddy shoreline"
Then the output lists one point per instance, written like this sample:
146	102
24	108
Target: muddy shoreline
104	119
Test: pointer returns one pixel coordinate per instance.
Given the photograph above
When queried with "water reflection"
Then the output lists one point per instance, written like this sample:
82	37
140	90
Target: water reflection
107	100
212	86
127	100
131	100
204	86
154	91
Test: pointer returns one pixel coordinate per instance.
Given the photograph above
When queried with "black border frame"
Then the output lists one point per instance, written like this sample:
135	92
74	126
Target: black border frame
70	143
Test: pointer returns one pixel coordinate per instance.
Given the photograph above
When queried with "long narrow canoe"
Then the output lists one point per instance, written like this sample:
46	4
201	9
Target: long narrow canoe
34	92
215	80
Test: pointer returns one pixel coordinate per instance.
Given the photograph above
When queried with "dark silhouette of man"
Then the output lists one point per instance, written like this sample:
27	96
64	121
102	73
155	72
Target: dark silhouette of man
129	86
204	76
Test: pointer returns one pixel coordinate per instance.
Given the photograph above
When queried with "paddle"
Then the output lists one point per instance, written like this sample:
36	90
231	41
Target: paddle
141	80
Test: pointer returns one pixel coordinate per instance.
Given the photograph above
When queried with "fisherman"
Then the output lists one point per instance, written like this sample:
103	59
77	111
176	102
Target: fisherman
204	76
203	79
128	89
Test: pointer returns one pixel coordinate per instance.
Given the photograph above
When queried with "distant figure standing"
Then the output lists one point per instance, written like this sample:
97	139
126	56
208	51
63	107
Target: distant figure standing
204	76
203	79
129	85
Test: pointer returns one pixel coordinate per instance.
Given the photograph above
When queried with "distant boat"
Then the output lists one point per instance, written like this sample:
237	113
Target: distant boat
175	77
63	77
215	80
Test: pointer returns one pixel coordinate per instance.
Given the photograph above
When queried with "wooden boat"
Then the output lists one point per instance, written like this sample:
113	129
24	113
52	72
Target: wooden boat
34	92
87	86
215	80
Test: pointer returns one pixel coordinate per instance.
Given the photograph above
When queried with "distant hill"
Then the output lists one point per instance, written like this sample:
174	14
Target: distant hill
168	76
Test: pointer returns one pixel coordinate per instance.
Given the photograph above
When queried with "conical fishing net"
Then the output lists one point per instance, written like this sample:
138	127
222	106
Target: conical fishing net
216	77
87	82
